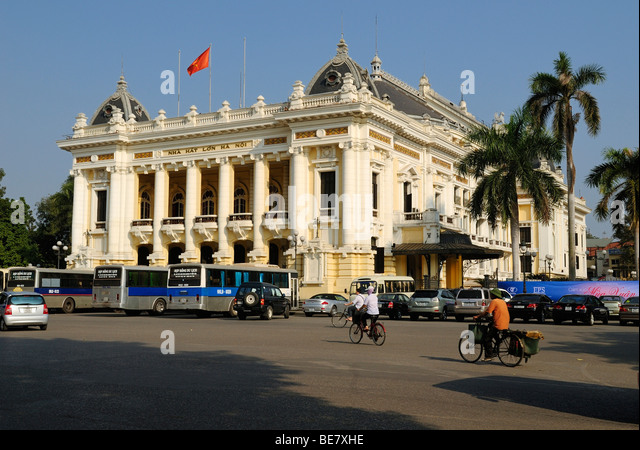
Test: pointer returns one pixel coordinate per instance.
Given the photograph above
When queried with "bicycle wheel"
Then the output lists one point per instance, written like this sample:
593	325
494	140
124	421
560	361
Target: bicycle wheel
339	320
510	350
470	349
378	334
355	333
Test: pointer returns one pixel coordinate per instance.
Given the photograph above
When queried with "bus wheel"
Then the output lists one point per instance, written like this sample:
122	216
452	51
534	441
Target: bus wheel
68	306
158	308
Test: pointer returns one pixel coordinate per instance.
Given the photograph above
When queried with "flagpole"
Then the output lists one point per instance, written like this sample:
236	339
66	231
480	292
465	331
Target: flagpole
210	77
179	83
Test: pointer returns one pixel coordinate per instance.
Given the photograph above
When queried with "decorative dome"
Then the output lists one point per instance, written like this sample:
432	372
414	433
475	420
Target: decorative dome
330	77
123	101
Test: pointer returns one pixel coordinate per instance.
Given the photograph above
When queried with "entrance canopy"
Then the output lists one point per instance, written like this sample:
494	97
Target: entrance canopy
451	243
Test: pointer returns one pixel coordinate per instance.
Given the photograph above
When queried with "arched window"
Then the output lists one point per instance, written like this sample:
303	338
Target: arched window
145	205
208	203
239	201
177	205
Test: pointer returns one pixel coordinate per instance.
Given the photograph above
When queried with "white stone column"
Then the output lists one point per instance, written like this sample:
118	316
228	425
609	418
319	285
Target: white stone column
80	207
387	202
429	200
298	190
191	210
260	194
348	193
363	197
225	196
114	215
160	195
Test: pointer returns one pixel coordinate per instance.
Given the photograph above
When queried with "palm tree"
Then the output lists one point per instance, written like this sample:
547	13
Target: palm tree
617	180
506	159
553	95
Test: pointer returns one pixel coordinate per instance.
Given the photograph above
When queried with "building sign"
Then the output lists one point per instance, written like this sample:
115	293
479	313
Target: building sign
242	145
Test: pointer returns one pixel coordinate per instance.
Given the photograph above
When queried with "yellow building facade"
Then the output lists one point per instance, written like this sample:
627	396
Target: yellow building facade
353	174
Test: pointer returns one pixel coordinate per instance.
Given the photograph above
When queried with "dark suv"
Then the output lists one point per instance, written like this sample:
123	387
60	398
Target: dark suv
260	299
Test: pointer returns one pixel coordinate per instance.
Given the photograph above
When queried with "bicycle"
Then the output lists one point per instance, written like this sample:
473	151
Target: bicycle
507	345
340	320
377	333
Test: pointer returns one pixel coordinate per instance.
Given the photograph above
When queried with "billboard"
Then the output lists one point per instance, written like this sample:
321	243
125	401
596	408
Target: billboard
556	289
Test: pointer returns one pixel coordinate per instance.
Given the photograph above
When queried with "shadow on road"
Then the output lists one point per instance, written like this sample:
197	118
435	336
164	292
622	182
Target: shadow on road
588	400
66	384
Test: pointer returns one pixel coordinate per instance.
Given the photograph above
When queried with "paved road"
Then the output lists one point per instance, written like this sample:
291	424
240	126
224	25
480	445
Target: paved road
103	370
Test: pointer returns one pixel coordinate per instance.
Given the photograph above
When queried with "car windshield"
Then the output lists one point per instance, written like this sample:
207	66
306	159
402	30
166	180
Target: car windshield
632	301
573	299
27	300
386	296
470	293
431	293
610	298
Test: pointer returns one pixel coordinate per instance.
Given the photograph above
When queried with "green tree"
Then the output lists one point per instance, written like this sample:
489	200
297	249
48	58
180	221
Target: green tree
617	180
506	159
54	214
16	225
553	96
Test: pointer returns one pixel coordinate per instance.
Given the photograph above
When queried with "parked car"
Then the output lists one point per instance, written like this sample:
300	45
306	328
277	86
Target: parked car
393	305
23	309
431	303
506	295
580	308
330	304
612	302
471	302
530	306
260	299
629	311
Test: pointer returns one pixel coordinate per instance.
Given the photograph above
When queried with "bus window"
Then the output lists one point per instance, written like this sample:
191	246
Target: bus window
214	277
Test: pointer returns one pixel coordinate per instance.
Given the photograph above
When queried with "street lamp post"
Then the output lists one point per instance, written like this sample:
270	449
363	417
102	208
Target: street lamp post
524	251
58	248
293	239
549	259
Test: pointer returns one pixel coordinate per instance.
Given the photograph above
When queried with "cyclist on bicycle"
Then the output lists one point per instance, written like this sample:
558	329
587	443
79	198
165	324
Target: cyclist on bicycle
354	307
498	309
372	312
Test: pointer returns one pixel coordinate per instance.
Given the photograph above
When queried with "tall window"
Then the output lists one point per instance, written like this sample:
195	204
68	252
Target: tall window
145	205
177	205
328	193
525	235
374	191
407	197
208	204
101	208
239	200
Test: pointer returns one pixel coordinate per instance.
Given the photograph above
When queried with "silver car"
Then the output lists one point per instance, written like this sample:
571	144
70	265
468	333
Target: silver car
23	309
612	302
330	304
471	302
431	303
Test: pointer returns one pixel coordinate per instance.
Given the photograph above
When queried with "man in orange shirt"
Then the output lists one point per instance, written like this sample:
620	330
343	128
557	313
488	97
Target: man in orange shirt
497	308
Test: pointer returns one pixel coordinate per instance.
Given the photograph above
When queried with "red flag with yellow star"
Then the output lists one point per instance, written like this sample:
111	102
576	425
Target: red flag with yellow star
201	62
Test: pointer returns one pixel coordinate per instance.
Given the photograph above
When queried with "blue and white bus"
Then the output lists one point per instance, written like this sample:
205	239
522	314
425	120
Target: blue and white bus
205	289
132	289
64	289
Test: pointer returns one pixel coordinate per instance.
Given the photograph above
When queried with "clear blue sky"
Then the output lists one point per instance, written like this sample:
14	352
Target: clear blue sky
58	59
